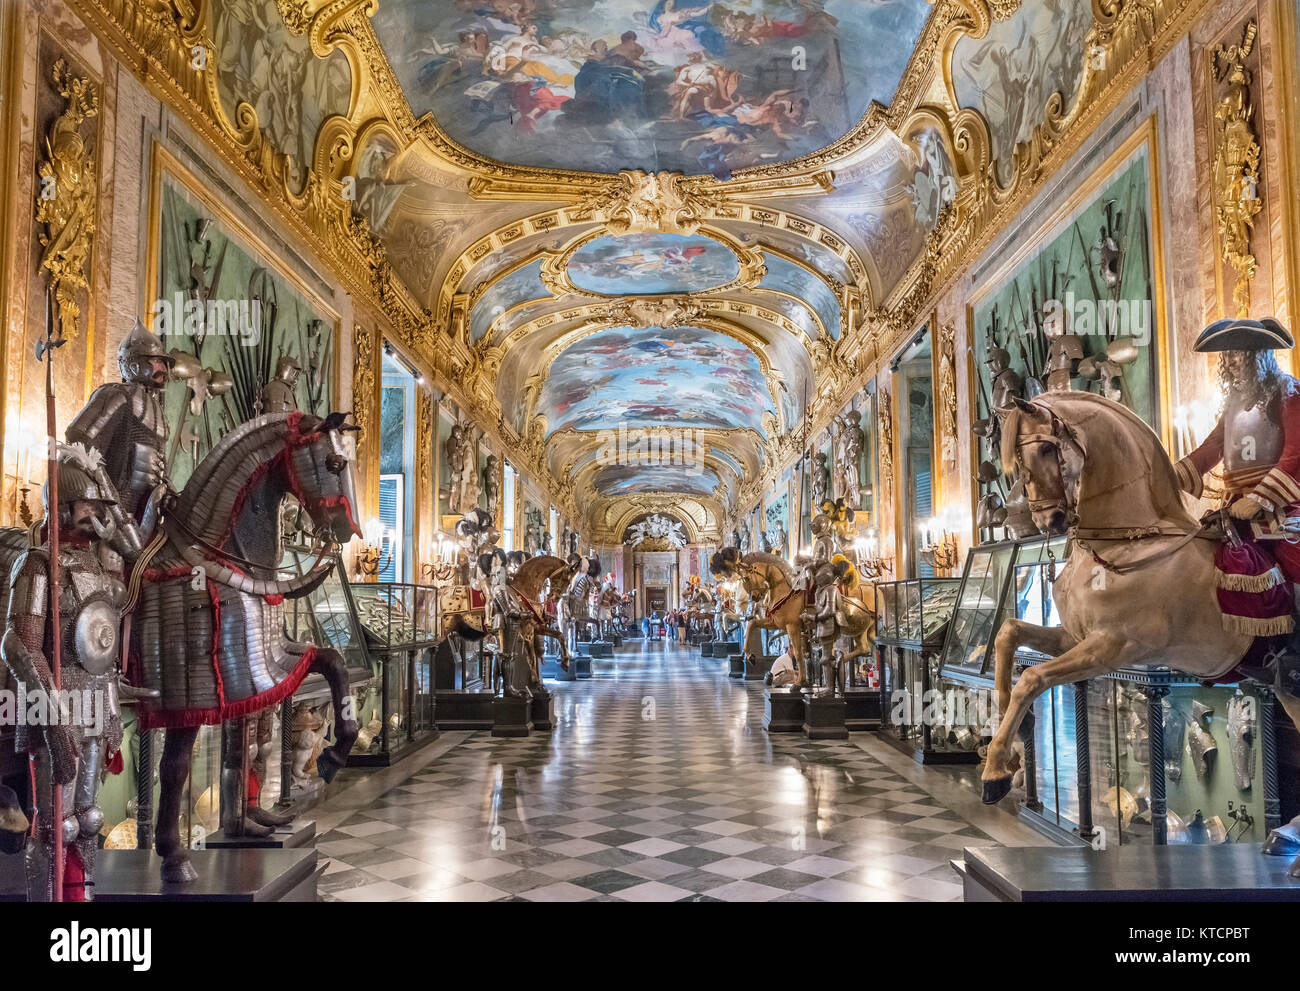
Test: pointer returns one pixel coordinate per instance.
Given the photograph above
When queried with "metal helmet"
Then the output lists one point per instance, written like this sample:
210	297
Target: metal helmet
77	481
135	352
287	369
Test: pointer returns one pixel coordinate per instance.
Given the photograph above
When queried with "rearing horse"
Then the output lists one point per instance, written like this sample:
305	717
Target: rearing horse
1139	587
208	633
770	580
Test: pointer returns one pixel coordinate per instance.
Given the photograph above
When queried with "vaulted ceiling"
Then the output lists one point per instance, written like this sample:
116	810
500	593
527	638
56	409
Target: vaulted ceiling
648	213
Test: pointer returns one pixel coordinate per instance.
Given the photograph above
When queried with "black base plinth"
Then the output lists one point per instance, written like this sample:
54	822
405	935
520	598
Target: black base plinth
862	710
823	718
299	833
511	716
757	669
228	874
583	648
782	711
706	648
464	710
913	748
602	648
542	713
581	667
1137	872
736	666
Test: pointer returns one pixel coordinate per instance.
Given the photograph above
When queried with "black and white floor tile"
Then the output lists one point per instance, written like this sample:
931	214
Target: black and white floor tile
658	784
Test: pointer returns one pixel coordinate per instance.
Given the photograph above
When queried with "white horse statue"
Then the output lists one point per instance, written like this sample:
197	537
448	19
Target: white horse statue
1139	586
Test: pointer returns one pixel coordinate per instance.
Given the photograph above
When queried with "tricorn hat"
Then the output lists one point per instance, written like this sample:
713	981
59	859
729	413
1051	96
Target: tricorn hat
1233	334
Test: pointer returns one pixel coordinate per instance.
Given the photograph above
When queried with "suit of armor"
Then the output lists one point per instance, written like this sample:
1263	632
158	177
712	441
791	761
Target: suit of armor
72	755
127	423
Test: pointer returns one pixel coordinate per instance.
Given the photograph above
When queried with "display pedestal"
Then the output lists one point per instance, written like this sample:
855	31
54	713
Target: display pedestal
602	648
736	666
464	710
298	834
229	874
581	667
758	669
782	711
582	648
1138	872
862	710
542	712
823	718
706	648
511	717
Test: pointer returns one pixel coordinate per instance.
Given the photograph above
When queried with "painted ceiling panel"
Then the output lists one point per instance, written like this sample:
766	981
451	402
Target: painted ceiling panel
624	480
787	277
681	377
520	286
690	86
640	264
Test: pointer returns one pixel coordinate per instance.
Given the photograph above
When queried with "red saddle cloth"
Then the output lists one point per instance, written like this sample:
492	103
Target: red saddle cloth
1253	594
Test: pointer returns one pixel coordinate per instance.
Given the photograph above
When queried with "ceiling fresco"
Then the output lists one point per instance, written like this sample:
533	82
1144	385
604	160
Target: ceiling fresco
626	480
688	86
520	286
642	264
679	377
794	280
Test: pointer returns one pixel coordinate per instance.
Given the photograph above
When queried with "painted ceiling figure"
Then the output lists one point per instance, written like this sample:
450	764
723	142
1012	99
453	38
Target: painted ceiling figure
127	423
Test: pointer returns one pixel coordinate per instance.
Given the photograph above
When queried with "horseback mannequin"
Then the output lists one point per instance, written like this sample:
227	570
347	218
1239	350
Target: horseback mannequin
71	756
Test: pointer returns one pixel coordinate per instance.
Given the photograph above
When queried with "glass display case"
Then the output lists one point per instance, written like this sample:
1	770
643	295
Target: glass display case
914	612
1007	579
400	623
1148	755
911	620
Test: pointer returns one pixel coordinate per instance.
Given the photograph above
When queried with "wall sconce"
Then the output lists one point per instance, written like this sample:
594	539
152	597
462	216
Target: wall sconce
442	570
938	544
872	565
24	442
371	560
1193	422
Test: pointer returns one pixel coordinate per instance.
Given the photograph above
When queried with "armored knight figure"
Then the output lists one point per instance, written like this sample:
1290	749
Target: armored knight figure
71	752
820	479
1007	384
492	484
279	395
127	423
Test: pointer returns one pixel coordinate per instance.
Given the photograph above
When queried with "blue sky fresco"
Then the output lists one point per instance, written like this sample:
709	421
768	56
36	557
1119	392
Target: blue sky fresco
639	264
520	285
678	377
788	277
619	480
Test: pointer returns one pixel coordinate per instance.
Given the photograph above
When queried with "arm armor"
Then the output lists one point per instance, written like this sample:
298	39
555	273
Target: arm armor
23	652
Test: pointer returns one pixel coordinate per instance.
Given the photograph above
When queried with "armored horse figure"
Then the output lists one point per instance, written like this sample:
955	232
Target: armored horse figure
770	584
1094	470
208	632
524	621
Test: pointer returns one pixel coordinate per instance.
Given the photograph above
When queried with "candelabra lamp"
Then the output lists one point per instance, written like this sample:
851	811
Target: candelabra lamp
939	550
372	559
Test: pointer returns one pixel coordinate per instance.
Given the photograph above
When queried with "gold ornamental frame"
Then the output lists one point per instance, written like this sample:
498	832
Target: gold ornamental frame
1145	134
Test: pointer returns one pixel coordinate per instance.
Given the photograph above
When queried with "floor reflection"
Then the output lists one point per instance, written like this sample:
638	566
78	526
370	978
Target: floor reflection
658	783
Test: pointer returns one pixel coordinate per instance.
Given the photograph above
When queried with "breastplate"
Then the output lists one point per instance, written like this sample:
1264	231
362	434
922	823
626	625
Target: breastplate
89	599
1250	439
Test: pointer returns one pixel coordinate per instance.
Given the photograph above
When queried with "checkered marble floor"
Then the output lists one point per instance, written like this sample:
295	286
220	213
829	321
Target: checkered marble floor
658	784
